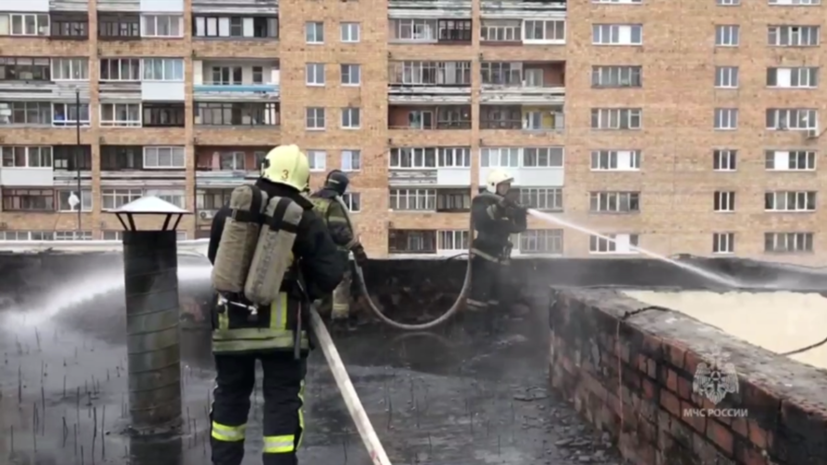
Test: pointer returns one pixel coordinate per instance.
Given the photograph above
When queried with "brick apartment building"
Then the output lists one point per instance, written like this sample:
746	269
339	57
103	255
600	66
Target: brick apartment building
682	127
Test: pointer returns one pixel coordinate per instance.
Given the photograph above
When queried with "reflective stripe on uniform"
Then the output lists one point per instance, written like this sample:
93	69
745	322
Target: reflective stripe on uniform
301	416
476	303
481	254
227	433
243	339
279	444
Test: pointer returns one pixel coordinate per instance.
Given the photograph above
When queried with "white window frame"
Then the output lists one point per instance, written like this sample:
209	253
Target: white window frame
728	2
799	77
132	64
353	201
619	2
727	77
452	240
350	32
793	242
317	159
416	158
73	235
795	2
314	74
501	30
76	68
85	200
119	197
548	199
790	160
726	119
453	157
723	201
315	114
617	34
150	23
727	35
314	32
116	108
790	201
790	35
44	156
157	157
172	69
542	157
412	200
351	118
792	119
501	157
614	202
541	242
351	160
603	246
42	25
723	243
558	31
617	76
617	119
346	74
177	197
724	160
413	30
71	123
610	160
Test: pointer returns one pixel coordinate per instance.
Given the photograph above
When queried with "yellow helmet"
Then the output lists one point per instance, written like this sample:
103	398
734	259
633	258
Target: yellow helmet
497	177
288	165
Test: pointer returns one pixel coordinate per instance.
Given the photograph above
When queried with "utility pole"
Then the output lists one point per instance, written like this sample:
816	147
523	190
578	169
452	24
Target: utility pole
78	155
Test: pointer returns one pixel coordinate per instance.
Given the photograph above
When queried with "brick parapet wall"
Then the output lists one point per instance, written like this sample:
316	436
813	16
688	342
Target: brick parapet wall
630	372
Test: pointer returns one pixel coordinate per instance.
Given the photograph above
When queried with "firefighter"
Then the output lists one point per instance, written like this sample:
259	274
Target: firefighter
238	341
496	217
329	208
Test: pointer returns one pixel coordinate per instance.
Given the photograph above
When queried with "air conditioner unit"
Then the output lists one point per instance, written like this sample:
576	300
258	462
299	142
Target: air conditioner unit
206	215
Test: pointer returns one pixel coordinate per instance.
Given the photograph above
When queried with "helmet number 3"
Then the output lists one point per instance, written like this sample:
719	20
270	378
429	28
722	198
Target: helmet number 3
285	174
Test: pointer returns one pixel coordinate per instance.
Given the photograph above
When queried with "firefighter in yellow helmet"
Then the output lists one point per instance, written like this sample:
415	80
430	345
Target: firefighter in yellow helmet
238	341
496	217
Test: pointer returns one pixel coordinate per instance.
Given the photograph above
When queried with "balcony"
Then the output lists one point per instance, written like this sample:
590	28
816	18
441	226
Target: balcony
208	201
43	79
516	9
430	166
69	160
457	30
223	168
527	118
27	166
539	166
237	80
523	31
429	117
418	82
508	83
429	9
143	166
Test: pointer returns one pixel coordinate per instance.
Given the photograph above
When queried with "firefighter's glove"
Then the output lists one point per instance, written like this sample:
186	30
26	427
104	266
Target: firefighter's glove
359	255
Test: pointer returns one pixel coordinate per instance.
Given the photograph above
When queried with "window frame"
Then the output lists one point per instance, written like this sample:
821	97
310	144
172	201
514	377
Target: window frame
256	113
126	26
78	69
552	241
346	69
173	21
42	24
351	155
349	114
346	35
312	74
133	65
15	198
176	153
318	114
64	24
115	122
174	112
67	110
10	156
170	69
314	33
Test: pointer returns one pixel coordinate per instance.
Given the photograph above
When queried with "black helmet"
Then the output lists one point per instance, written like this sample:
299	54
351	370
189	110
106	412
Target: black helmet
337	181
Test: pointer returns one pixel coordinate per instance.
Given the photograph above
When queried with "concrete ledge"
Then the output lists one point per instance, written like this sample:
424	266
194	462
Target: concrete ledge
629	370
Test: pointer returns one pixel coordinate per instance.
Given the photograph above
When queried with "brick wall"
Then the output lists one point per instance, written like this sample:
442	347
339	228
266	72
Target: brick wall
630	373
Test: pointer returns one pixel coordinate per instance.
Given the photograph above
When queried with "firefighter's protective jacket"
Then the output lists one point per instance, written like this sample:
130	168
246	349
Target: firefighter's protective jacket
495	224
335	216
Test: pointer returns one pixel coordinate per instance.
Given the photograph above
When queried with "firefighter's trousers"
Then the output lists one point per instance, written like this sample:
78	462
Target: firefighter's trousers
485	283
337	304
283	391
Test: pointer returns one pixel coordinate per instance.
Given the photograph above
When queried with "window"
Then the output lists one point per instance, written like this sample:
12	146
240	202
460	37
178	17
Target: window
119	27
500	157
70	69
614	244
315	118
176	197
616	118
796	2
724	160
726	77
259	27
232	161
791	78
726	119
453	240
122	158
237	114
723	201
38	200
29	24
164	158
617	34
314	32
351	160
455	30
117	198
453	200
66	114
28	113
723	243
542	198
614	202
542	241
788	242
411	241
413	199
501	30
27	156
454	157
351	118
120	69
85	198
314	74
353	201
784	119
616	76
793	160
212	199
787	201
120	115
625	2
351	75
72	157
164	115
542	157
544	31
26	236
226	75
728	2
500	73
793	36
413	30
163	69
615	160
350	32
25	69
317	159
430	73
416	158
66	26
727	35
73	235
163	26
